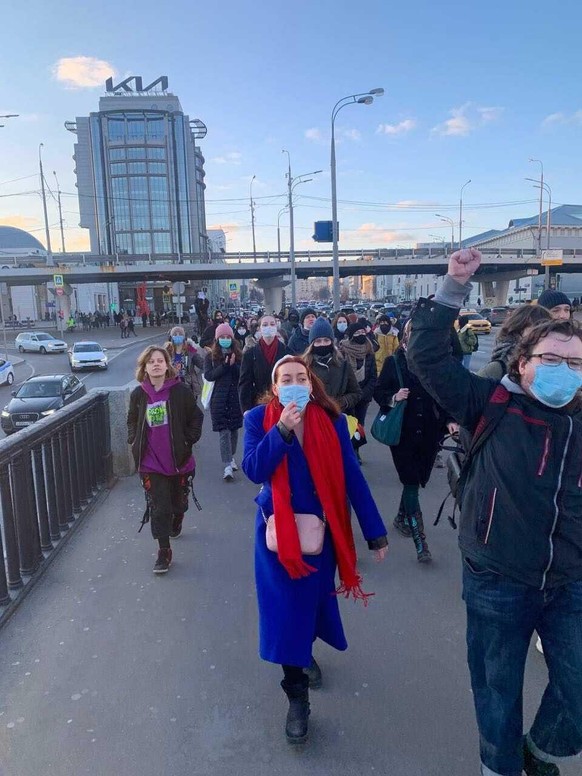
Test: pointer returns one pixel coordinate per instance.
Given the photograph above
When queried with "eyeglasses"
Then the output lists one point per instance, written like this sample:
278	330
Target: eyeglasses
551	359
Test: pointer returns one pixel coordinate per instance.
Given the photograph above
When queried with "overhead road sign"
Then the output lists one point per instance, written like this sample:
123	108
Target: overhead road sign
58	281
553	258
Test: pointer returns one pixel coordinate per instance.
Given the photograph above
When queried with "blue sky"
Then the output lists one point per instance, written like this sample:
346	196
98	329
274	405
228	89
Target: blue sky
473	90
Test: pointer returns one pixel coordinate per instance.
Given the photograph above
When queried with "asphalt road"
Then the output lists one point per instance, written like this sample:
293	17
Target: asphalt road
107	669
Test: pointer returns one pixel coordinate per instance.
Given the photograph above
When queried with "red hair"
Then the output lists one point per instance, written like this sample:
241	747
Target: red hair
318	394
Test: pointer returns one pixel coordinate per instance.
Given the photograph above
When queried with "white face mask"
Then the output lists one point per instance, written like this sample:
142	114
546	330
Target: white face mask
268	331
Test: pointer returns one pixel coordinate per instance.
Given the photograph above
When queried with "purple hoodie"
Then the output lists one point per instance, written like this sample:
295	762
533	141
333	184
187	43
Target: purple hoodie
158	456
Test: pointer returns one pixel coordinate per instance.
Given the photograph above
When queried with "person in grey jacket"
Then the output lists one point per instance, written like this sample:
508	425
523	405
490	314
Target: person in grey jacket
521	525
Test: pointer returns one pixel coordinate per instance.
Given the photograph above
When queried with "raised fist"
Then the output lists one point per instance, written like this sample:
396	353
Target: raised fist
464	263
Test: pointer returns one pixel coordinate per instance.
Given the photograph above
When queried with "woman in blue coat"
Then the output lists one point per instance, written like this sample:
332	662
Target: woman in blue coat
298	447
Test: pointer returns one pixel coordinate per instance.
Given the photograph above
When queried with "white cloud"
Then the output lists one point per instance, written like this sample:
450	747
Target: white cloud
351	134
396	129
562	118
465	119
313	134
233	157
408	203
82	72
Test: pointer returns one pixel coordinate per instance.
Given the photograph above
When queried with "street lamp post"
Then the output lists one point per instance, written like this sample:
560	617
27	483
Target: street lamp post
60	213
283	210
253	219
461	213
543	187
292	183
364	98
49	256
452	223
9	116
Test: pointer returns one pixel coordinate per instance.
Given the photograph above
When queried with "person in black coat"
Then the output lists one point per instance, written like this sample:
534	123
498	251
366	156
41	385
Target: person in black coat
358	350
258	362
222	367
209	332
423	427
299	340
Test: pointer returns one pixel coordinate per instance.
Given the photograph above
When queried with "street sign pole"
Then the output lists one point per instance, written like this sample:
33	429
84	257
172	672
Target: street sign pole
3	321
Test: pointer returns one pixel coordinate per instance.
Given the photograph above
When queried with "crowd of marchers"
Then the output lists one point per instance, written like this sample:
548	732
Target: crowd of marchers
301	386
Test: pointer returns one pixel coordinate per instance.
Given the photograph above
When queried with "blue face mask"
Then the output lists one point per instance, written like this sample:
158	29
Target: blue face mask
297	393
342	327
225	342
555	386
177	339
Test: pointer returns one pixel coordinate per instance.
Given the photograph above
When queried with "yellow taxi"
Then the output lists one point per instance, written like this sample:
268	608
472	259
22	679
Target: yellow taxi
476	322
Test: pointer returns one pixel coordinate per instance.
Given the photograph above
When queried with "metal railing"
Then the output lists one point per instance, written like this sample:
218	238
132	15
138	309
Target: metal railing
49	474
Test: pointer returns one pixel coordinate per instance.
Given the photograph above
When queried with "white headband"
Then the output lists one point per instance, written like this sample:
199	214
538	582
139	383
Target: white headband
278	364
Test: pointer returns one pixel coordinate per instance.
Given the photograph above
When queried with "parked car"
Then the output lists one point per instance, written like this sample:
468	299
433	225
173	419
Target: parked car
476	322
39	397
6	372
39	342
495	315
87	355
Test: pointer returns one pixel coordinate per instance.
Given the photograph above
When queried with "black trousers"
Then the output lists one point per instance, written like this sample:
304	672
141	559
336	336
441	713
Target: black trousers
166	497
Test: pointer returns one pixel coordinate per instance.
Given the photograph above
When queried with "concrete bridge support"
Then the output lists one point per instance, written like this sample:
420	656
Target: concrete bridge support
495	293
273	290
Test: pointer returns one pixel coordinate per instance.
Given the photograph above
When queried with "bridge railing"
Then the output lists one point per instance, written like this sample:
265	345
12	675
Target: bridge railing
50	473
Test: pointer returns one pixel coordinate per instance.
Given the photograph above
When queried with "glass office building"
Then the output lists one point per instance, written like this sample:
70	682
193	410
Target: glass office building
140	176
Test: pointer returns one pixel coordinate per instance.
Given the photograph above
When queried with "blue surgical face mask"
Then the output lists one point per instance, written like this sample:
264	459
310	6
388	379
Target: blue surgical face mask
177	339
225	342
555	386
342	326
297	393
269	331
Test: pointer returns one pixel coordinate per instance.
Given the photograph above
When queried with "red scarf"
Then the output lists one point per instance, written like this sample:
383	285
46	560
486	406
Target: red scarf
323	452
270	351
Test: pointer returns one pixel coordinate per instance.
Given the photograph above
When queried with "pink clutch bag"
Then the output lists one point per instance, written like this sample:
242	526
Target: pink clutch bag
311	530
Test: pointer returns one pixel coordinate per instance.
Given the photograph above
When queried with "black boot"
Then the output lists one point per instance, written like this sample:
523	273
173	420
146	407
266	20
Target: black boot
314	675
401	524
535	767
415	522
298	714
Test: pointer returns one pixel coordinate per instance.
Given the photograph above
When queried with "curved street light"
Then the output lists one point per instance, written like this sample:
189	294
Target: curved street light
452	225
461	213
543	186
253	219
363	98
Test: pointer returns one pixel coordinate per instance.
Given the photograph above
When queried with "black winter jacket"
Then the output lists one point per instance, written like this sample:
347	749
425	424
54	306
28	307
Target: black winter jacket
185	418
423	424
298	342
224	404
255	375
340	383
521	513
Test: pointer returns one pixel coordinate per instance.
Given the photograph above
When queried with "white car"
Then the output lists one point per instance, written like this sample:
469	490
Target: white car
87	355
39	342
6	372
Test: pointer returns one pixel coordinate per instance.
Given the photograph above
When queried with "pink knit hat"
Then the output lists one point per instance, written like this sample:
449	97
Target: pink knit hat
224	330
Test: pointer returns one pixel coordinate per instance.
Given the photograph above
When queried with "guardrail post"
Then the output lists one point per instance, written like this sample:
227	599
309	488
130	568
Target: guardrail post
41	504
85	442
53	513
59	479
64	463
92	448
25	521
76	465
4	594
12	564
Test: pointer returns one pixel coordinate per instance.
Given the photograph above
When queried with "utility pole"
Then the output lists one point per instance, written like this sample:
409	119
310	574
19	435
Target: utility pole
253	220
291	235
49	253
60	213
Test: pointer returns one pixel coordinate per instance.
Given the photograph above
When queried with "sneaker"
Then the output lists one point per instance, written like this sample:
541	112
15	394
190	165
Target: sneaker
176	526
539	646
233	465
228	475
401	525
439	462
164	561
535	767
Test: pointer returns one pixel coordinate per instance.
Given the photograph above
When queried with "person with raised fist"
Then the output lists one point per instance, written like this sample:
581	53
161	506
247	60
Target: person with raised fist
520	494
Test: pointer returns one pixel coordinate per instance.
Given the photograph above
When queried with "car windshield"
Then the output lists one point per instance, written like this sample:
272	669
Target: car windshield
44	337
87	347
37	390
475	317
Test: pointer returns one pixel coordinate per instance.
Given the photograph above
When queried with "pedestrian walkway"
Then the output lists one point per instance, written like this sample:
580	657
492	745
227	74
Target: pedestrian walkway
107	669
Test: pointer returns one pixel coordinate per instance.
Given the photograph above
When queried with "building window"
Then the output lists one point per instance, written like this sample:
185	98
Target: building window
119	168
156	128
115	129
142	242
136	153
116	153
156	152
156	167
136	167
135	129
162	242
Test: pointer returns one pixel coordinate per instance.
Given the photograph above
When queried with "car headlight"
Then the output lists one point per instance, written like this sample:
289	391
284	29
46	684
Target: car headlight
47	412
75	362
5	414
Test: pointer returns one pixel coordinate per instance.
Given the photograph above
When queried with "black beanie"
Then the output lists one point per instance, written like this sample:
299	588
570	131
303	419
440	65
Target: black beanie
550	298
306	312
354	327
